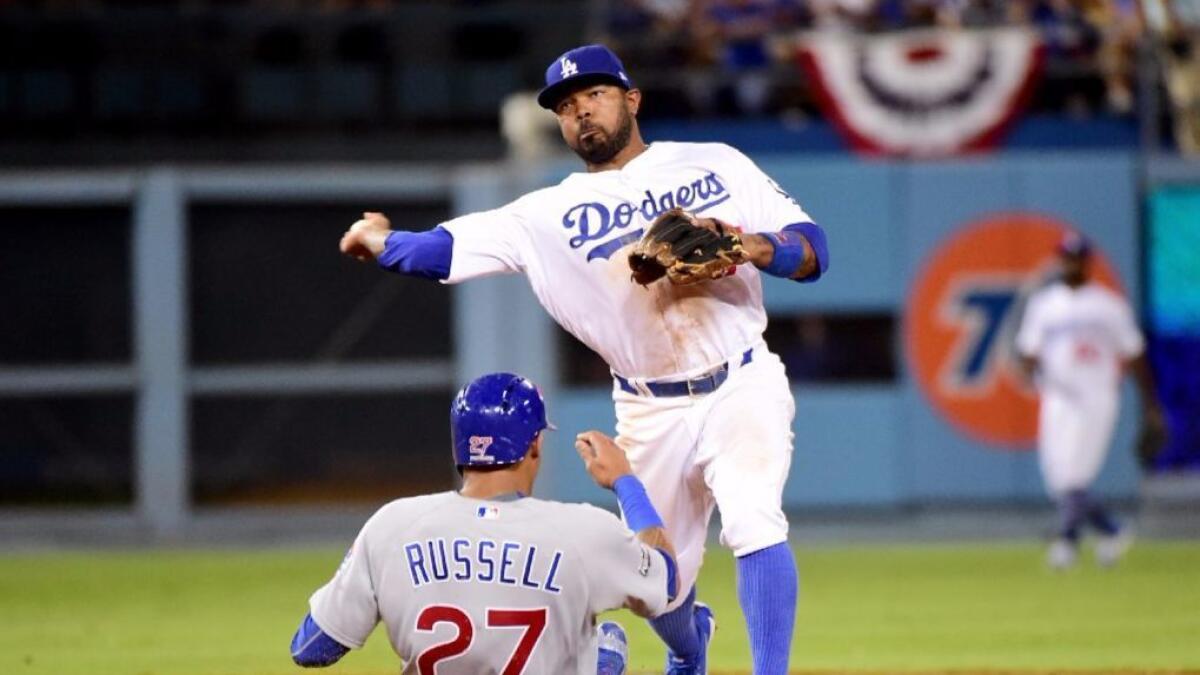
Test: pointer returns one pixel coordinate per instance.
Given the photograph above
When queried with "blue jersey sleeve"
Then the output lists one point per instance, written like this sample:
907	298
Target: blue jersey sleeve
312	648
419	254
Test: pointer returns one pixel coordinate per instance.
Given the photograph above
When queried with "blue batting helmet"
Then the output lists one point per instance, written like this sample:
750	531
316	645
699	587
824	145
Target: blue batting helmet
494	420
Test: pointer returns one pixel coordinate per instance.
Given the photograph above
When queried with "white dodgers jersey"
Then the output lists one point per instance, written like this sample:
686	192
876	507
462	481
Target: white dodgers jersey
1080	337
571	241
475	587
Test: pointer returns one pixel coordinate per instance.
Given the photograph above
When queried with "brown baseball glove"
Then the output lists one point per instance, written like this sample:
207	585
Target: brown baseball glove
686	250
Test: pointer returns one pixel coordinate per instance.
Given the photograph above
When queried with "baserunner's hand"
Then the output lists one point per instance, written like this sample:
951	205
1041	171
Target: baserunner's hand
605	461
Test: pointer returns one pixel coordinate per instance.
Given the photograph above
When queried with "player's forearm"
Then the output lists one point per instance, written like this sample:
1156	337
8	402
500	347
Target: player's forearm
798	251
656	537
761	252
421	254
641	516
644	520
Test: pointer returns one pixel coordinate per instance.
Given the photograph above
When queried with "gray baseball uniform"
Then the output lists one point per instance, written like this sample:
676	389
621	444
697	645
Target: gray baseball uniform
489	586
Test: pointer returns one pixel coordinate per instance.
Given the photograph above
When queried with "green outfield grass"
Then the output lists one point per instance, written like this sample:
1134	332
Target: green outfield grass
863	608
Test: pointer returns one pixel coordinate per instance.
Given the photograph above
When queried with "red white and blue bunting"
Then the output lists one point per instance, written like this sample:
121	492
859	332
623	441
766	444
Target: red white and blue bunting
925	93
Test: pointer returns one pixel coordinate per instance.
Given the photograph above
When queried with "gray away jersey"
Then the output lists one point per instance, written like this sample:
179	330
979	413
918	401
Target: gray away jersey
477	587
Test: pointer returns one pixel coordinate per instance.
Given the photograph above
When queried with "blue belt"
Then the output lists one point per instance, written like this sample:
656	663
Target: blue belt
700	385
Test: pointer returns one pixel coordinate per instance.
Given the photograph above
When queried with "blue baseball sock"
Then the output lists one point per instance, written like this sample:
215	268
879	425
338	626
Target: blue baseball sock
767	587
1102	520
677	628
1072	511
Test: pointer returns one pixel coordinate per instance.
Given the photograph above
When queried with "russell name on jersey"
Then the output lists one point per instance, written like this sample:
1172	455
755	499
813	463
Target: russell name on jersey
484	561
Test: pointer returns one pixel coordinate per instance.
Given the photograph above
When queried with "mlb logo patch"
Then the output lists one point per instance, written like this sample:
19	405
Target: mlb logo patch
488	512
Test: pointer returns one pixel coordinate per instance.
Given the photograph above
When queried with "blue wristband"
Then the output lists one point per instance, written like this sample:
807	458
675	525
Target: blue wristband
635	503
815	237
789	254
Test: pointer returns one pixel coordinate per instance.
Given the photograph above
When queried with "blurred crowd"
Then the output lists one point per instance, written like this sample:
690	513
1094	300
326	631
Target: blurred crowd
719	57
265	5
1060	20
1091	45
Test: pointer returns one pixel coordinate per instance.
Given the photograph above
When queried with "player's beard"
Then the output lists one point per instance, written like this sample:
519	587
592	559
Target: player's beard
1075	272
600	148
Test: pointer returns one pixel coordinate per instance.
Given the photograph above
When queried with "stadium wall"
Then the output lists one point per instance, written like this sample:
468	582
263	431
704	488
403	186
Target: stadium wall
877	444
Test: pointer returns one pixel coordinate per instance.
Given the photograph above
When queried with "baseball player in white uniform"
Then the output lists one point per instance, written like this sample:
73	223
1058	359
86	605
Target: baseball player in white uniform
704	410
488	580
1078	336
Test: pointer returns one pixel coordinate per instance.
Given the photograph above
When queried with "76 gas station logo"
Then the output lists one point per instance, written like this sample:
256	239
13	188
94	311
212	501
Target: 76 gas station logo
961	318
986	312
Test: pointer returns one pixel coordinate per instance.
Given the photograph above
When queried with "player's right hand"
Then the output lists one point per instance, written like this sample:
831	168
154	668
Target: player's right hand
366	238
605	461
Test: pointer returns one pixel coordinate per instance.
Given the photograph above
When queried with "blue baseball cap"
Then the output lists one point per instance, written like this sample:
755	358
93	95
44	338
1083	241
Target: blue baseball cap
579	67
1075	245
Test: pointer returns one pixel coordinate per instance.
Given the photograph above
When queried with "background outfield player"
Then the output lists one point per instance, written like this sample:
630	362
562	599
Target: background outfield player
1078	336
704	410
488	579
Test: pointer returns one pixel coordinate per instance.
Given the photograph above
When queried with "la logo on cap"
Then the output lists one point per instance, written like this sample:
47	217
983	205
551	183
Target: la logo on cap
568	68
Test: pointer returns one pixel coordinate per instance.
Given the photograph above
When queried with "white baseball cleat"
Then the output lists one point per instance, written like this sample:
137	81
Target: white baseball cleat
1062	554
1111	548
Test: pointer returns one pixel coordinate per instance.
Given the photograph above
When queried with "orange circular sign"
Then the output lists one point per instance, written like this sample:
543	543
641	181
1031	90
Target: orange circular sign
961	319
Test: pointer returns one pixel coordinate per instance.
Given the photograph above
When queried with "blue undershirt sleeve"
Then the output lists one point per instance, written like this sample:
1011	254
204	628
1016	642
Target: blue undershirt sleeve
420	254
312	648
